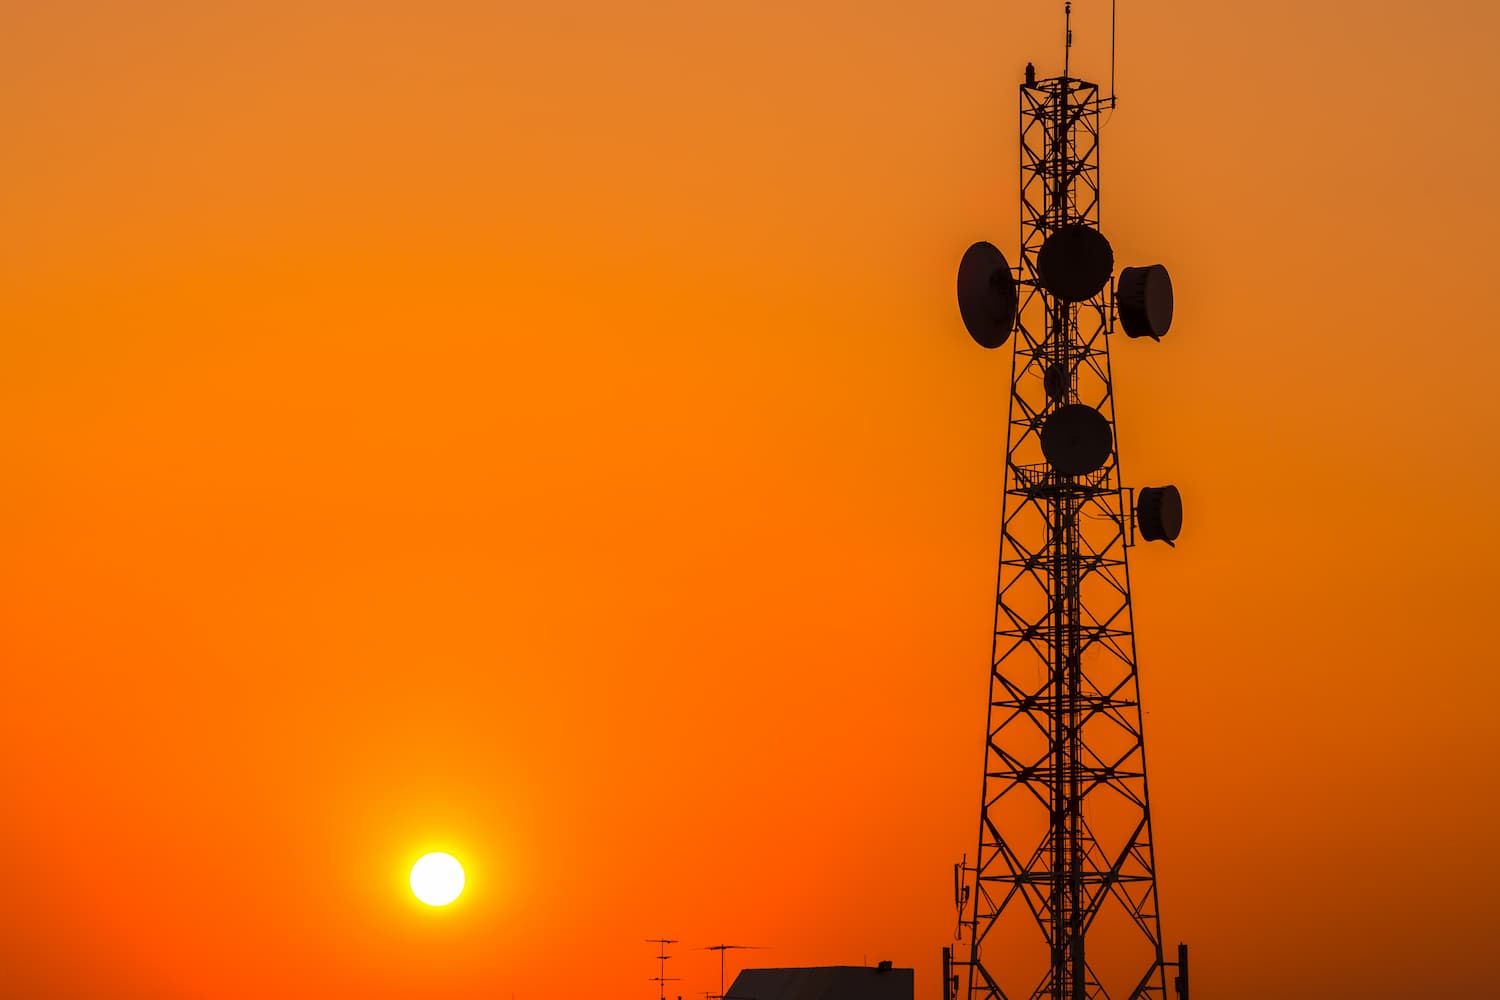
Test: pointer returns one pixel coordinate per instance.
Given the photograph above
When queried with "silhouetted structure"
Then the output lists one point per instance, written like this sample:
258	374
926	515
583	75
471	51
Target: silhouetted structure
661	978
1061	899
721	949
831	982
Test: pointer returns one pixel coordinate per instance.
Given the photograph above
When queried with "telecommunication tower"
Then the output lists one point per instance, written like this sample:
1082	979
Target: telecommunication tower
1060	901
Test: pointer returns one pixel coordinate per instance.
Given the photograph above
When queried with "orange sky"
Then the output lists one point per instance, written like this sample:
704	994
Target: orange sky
548	435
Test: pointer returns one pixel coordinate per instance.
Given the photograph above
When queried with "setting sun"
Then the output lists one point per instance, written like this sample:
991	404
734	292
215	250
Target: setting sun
437	879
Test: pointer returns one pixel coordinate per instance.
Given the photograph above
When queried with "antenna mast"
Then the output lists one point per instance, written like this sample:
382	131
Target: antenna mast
661	978
1067	36
721	949
1113	94
1061	900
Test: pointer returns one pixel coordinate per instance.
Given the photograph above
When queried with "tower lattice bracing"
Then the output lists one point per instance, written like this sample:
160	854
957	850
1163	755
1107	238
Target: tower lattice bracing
1060	900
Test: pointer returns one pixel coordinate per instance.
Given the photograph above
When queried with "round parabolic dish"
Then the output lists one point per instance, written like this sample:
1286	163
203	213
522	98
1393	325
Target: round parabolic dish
1144	296
1076	439
1075	263
1158	513
987	294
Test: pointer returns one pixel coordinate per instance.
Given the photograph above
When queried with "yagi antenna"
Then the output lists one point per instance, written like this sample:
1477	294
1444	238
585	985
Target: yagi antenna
721	949
661	978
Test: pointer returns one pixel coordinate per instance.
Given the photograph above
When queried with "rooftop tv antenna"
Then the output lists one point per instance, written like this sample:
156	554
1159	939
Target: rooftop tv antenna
1061	900
721	949
661	977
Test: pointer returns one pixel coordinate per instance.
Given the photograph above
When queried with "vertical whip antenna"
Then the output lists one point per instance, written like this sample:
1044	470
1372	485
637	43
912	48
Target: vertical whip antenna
1113	96
1067	35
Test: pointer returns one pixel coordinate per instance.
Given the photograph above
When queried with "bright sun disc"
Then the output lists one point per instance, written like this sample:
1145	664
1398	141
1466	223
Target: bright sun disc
437	878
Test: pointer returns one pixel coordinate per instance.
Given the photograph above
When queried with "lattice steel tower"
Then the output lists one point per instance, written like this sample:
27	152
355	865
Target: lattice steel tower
1061	900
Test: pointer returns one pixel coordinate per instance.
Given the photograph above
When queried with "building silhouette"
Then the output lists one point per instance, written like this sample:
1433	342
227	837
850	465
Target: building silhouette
828	982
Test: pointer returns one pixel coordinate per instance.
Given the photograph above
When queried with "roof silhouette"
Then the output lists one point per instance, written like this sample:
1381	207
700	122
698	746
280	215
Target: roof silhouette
829	982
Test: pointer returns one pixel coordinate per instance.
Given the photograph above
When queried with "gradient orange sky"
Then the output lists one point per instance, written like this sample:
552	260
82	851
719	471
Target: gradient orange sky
546	434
